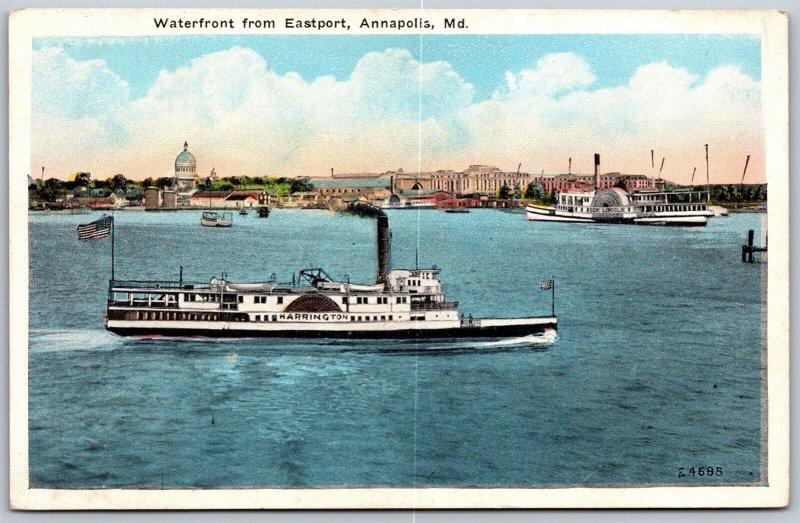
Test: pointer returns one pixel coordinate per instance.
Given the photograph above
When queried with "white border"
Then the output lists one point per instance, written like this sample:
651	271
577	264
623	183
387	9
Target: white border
771	26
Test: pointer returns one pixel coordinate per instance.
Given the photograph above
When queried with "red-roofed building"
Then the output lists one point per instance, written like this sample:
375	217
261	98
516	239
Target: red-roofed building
209	199
225	199
108	202
243	199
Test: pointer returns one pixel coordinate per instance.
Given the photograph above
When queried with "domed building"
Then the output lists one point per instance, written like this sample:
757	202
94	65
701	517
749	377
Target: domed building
185	171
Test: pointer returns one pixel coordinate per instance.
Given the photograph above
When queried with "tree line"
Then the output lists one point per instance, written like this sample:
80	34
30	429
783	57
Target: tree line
53	189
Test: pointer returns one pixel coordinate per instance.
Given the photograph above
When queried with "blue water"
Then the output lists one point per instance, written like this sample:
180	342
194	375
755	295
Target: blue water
657	365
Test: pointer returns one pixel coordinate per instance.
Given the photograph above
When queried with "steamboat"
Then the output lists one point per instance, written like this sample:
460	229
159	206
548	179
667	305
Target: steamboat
616	205
401	304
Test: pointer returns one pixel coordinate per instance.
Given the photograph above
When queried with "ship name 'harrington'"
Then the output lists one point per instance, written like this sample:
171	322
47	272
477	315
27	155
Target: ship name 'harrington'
311	316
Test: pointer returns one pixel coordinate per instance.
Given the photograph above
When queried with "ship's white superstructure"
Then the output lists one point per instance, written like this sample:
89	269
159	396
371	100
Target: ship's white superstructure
615	205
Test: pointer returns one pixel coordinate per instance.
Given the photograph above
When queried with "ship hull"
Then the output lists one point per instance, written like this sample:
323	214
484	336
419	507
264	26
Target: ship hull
480	329
549	214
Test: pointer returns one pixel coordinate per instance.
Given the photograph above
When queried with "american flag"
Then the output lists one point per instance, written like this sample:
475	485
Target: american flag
96	230
546	285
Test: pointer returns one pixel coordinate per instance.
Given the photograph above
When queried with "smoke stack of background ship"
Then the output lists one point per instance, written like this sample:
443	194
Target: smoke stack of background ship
596	171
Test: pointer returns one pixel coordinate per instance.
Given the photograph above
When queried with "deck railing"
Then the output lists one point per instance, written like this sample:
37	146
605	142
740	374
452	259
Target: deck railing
620	210
154	304
470	322
434	306
152	284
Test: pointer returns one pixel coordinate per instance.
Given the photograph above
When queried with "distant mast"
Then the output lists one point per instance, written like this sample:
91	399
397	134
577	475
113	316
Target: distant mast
746	162
693	171
569	171
708	180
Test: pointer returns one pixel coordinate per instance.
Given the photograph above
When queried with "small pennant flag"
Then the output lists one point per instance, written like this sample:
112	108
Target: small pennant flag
96	230
546	285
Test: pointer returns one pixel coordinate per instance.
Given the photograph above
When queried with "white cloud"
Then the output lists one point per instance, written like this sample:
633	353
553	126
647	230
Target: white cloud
66	87
554	74
243	118
661	107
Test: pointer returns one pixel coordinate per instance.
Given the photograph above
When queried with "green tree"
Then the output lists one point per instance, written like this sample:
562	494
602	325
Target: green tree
49	191
534	191
504	193
118	183
301	186
83	179
165	182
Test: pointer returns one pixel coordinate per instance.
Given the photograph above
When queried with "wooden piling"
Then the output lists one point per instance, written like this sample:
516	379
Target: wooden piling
749	249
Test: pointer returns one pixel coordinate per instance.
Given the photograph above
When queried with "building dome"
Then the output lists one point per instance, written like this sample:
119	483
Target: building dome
185	159
185	171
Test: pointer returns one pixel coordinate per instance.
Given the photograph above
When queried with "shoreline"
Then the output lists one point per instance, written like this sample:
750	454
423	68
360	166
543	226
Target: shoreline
755	209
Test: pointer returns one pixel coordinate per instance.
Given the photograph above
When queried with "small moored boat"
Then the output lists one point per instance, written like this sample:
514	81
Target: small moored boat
216	219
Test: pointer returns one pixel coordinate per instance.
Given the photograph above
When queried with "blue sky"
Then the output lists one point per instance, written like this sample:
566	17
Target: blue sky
481	60
301	105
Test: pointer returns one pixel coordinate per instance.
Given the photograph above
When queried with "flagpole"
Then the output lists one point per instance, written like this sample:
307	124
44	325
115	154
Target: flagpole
113	230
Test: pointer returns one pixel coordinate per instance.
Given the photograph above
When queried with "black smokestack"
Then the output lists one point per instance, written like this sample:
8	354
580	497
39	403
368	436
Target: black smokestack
596	171
384	245
383	237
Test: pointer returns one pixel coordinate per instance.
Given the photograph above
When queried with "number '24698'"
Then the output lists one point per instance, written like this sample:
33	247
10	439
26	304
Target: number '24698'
699	472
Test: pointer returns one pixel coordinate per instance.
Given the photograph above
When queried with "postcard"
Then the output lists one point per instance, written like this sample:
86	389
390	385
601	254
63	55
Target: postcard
312	259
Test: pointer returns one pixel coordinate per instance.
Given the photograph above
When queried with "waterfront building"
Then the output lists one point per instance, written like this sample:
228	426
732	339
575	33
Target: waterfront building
243	199
111	201
228	199
152	198
169	199
185	171
209	199
488	180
